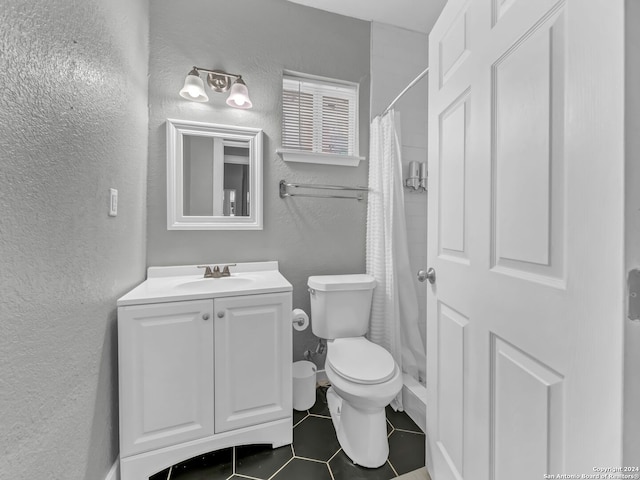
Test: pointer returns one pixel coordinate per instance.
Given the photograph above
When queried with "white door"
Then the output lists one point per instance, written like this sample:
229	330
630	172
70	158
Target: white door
252	360
524	332
166	374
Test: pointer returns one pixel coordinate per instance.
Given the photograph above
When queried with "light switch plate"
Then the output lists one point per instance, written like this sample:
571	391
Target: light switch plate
113	202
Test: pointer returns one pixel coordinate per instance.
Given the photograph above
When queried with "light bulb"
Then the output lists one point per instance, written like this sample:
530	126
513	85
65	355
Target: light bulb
193	88
239	95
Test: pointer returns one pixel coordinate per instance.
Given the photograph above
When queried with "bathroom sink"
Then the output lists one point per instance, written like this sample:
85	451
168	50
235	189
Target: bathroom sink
204	285
186	282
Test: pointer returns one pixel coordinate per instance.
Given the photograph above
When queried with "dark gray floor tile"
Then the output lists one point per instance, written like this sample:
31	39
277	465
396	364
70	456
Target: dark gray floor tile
163	475
261	461
297	416
216	465
344	469
315	438
401	420
300	469
406	451
321	407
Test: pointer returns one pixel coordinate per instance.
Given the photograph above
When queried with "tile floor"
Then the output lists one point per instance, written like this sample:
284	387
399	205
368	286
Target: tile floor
314	455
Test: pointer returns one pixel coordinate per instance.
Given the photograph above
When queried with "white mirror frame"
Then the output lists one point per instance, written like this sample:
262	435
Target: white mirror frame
176	220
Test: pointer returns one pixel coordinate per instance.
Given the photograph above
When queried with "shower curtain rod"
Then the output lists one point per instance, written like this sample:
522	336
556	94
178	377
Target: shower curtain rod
415	80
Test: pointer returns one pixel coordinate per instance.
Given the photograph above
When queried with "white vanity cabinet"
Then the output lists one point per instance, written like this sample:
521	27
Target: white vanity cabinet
203	365
252	344
166	374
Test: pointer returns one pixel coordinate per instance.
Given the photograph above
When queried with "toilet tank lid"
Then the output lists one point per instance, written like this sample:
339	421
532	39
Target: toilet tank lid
359	281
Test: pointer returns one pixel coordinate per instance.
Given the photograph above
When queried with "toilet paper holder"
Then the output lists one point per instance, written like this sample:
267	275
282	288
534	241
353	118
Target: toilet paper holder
299	319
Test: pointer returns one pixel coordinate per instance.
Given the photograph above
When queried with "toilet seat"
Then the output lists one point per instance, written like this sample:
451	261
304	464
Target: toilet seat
360	361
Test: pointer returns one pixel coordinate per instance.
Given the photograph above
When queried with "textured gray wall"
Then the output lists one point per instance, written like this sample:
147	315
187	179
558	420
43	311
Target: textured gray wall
258	39
397	57
73	122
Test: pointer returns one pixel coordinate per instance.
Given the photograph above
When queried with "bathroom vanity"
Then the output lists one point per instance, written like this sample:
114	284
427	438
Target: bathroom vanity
204	364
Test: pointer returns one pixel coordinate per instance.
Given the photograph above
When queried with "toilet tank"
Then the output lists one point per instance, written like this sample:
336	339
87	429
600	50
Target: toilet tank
340	305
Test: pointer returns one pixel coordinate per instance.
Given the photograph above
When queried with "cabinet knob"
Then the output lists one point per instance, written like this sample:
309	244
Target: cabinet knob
205	316
221	314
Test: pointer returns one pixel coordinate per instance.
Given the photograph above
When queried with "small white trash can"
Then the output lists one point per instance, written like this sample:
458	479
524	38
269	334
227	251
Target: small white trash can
304	385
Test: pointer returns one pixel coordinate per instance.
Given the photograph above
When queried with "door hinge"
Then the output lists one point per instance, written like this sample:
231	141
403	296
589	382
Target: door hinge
633	284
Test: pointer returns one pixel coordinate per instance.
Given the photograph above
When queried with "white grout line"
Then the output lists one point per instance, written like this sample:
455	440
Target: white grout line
393	468
408	431
334	455
302	419
319	416
244	476
310	459
330	471
282	467
233	461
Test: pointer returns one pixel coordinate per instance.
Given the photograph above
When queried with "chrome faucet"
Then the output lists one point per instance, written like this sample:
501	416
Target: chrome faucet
216	273
225	270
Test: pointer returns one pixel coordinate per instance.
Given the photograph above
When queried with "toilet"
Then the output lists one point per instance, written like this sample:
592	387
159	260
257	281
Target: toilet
364	376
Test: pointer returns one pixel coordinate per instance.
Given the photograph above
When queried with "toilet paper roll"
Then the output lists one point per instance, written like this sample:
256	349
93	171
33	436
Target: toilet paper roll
300	319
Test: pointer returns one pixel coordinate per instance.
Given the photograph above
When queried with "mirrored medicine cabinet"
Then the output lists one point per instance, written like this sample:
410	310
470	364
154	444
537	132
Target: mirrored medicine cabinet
214	176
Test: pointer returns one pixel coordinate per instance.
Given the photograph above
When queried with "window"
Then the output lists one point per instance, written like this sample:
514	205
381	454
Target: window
319	120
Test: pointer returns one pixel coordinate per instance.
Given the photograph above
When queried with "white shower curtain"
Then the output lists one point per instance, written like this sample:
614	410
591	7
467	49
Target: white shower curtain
394	311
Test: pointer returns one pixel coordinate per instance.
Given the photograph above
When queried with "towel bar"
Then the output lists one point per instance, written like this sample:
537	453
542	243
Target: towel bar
284	186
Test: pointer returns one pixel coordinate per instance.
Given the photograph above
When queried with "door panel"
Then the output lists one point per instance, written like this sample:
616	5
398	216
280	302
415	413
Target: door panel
521	14
527	408
166	374
526	176
451	394
528	188
522	133
454	47
252	359
453	226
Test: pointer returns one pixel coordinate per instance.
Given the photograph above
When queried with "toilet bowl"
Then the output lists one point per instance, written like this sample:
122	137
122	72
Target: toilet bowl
364	376
358	396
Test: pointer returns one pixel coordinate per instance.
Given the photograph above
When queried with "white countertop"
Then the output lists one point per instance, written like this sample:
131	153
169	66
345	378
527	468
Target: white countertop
173	284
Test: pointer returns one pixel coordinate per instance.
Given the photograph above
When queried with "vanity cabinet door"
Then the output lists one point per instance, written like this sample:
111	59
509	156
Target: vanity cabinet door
252	360
165	374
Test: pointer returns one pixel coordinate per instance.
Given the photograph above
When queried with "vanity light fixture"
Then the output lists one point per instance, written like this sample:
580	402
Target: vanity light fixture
220	82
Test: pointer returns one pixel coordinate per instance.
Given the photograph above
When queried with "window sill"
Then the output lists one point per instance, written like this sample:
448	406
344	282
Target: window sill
319	158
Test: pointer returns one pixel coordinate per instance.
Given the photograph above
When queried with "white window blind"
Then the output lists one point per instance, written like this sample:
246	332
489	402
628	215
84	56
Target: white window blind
319	116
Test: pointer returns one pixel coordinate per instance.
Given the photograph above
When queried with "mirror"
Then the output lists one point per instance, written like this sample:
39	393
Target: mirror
214	176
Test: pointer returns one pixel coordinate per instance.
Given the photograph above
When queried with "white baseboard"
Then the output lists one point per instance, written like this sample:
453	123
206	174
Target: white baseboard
114	473
414	401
